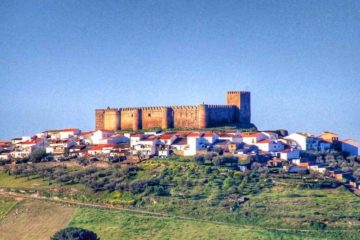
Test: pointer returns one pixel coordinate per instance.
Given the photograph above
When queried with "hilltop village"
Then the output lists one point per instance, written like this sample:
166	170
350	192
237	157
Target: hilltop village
268	148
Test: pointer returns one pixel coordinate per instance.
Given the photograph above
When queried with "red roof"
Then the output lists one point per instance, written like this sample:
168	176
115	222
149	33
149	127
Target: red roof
209	134
264	141
69	130
195	134
87	133
4	143
250	134
166	136
101	146
180	133
32	141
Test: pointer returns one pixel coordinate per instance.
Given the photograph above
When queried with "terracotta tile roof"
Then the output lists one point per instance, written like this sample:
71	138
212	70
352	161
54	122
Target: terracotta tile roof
264	141
250	134
209	134
4	144
33	141
225	135
182	133
87	133
69	130
62	130
166	137
195	134
102	146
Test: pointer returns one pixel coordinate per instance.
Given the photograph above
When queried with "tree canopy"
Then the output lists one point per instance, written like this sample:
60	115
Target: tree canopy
73	233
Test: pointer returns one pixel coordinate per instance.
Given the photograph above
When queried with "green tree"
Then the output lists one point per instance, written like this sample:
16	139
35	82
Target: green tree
73	233
37	155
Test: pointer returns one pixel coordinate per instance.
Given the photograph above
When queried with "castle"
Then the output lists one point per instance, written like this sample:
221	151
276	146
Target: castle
236	111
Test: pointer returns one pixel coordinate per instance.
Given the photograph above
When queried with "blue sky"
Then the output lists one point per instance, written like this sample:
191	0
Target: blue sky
59	60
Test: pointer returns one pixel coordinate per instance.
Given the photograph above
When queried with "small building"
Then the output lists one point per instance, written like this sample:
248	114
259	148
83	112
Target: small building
167	139
210	137
230	137
62	134
253	137
146	147
329	137
59	147
288	154
268	145
318	167
350	146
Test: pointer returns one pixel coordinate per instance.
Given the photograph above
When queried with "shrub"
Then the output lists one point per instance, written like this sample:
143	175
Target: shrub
72	233
37	155
318	225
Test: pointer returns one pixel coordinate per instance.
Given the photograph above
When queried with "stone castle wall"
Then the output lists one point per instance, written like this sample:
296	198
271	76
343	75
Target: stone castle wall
236	111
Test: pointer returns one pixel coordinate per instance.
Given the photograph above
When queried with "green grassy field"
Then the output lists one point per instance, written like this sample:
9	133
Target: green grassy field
39	220
196	206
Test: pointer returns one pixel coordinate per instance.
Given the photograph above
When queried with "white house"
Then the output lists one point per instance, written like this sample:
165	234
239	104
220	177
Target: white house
114	139
253	137
62	134
167	139
97	136
288	154
230	137
180	144
350	146
135	138
101	149
146	147
271	135
24	149
59	146
268	145
195	142
321	168
210	137
305	141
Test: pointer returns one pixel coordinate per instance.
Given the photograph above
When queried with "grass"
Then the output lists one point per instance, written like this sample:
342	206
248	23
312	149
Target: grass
6	204
283	206
35	220
291	207
111	225
7	181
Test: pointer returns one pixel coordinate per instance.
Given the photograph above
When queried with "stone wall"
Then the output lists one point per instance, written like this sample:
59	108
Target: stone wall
237	110
186	117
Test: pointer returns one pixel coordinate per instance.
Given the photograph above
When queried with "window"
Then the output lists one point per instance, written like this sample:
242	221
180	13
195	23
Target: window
149	114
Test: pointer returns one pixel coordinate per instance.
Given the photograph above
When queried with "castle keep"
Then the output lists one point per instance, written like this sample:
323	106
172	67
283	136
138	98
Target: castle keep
236	111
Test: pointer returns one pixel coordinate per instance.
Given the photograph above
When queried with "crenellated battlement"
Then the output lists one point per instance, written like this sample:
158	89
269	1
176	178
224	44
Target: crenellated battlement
236	110
238	92
184	107
220	106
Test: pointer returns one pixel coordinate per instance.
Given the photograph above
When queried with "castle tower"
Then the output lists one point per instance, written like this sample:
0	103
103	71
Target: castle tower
111	119
242	100
136	119
165	118
203	119
99	119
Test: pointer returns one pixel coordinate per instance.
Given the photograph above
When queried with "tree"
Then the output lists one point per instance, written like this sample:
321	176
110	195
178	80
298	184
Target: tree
73	233
37	155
